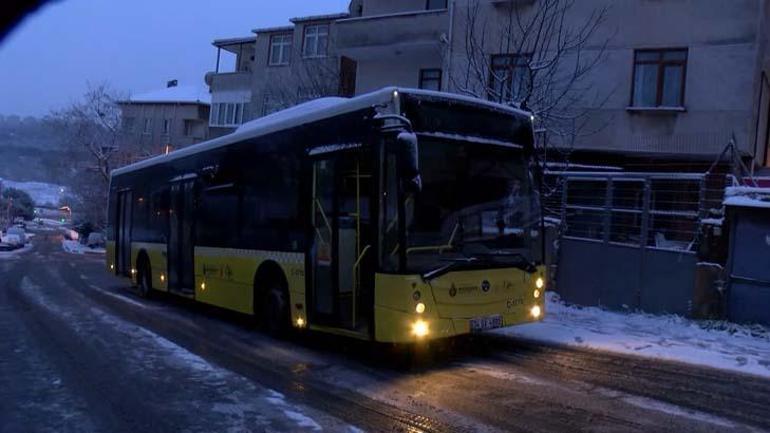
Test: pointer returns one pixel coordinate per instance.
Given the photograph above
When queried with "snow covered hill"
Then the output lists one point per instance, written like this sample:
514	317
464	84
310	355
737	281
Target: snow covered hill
44	194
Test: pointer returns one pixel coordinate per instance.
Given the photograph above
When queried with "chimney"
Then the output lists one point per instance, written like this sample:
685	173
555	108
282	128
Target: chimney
172	83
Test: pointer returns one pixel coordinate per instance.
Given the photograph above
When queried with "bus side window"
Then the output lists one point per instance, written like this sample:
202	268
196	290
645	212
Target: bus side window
218	215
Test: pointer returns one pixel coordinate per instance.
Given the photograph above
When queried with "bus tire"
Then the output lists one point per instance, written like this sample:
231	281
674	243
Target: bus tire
144	277
276	310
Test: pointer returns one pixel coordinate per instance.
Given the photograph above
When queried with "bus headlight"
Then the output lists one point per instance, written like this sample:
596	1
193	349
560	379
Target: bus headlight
419	308
539	283
300	322
420	328
535	311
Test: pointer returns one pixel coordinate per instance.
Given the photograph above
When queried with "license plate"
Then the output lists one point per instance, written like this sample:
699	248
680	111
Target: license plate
487	322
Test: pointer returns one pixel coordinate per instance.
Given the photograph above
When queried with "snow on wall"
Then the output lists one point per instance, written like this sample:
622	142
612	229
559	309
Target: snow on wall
747	196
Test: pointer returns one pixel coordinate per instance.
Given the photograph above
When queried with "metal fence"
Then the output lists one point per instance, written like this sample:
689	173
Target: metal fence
629	240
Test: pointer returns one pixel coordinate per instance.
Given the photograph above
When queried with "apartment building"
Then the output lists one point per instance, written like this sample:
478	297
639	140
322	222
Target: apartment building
163	120
230	84
656	82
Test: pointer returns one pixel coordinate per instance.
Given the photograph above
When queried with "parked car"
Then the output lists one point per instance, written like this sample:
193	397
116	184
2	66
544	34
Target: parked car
18	231
13	240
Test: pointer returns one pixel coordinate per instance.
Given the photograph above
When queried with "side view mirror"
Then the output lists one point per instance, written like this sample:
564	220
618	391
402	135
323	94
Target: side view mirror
409	155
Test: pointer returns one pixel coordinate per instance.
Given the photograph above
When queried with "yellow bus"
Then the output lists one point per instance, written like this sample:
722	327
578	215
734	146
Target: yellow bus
397	216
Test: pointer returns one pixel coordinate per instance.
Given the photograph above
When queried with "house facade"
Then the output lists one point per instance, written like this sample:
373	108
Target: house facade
163	120
635	80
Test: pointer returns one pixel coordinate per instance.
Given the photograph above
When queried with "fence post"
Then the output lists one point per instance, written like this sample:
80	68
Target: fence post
645	236
609	189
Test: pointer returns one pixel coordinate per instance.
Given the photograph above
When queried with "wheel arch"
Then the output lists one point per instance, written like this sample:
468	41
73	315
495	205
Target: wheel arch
269	271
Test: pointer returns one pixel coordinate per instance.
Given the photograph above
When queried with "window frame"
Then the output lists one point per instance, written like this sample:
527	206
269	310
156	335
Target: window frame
511	67
166	127
423	79
660	82
287	45
320	51
147	129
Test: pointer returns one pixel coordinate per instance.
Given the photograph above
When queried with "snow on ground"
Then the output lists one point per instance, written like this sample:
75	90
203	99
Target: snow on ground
728	346
76	247
43	194
15	253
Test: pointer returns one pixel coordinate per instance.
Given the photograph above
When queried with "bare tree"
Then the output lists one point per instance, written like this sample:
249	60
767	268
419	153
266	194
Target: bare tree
534	55
91	132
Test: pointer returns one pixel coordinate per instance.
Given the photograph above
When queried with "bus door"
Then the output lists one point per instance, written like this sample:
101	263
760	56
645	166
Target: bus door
123	233
180	248
341	252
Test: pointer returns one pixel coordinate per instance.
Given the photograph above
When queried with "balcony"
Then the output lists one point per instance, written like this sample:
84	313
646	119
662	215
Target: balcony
375	36
229	81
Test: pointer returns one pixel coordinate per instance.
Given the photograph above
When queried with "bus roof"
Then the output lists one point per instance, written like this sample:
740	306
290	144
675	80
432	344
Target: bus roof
309	112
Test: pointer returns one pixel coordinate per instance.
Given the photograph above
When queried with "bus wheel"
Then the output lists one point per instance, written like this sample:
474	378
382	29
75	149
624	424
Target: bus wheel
276	312
144	278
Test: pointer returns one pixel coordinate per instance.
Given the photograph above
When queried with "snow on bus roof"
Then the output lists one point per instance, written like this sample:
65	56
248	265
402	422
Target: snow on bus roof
309	112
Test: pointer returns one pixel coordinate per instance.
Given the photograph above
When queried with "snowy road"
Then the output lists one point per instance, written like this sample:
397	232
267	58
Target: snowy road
80	352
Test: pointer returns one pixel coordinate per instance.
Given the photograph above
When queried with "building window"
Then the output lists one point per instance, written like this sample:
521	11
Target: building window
436	4
128	124
166	126
316	40
430	79
189	125
147	126
280	49
227	114
509	78
659	77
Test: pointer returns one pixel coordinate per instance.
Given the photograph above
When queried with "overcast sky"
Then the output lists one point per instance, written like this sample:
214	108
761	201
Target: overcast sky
133	45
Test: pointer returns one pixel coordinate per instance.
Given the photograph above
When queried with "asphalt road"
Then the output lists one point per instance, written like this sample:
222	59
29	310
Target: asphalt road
80	352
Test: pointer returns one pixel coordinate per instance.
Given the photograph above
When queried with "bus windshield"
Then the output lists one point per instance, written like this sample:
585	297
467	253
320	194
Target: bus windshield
477	203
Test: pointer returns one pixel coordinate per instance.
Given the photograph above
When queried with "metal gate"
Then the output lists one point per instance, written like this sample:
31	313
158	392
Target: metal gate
629	240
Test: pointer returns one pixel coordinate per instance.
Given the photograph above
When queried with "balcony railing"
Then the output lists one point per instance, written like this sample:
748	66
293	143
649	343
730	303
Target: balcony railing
420	28
229	81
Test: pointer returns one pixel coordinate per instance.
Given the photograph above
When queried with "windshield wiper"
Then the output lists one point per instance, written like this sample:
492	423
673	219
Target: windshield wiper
522	263
479	262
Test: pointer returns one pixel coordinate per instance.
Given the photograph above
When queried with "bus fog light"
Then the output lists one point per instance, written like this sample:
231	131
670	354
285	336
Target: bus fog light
162	278
535	311
203	286
133	271
420	328
539	283
112	267
300	322
536	293
419	308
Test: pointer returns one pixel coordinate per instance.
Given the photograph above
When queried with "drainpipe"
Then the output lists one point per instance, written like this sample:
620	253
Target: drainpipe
450	43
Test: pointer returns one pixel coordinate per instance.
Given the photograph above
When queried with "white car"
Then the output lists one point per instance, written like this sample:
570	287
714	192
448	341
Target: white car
13	239
19	232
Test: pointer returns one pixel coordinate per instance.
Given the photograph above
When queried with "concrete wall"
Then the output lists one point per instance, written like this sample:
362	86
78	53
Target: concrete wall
720	85
402	71
154	142
287	85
